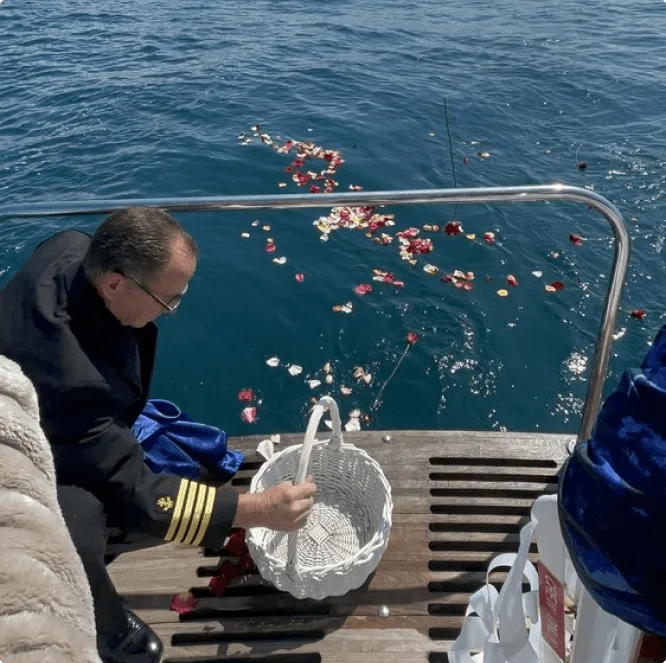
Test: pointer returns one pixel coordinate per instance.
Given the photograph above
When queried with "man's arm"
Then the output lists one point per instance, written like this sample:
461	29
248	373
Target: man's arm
94	450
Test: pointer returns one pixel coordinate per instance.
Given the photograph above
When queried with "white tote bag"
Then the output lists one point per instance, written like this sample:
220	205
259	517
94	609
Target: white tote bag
496	627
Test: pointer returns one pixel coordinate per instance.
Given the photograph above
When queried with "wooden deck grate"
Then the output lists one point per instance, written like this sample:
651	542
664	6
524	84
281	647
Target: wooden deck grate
460	499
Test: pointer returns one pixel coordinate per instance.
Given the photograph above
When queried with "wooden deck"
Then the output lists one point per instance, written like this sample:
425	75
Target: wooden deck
459	499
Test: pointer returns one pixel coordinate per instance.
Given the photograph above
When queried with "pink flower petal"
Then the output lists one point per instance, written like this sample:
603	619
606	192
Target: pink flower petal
362	289
249	415
246	394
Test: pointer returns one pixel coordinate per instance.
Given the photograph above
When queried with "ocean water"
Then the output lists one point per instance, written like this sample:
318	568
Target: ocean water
138	99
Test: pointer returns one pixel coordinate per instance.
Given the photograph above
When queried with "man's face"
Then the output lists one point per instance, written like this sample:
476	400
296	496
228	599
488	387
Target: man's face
135	302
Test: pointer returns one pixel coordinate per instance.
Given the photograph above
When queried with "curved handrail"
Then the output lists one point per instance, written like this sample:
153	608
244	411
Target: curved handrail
514	194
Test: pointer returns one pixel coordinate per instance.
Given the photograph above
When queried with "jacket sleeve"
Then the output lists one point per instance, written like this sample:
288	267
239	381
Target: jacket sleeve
96	451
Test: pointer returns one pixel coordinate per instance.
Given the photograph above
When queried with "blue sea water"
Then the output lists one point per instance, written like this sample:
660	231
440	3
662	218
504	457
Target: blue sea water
137	99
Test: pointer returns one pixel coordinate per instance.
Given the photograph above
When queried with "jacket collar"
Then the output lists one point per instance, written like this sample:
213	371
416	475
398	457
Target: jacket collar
94	324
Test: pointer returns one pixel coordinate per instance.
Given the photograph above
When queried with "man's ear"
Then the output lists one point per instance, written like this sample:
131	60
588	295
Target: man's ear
110	283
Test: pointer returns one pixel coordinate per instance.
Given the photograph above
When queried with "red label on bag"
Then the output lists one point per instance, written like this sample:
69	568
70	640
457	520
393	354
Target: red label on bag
551	608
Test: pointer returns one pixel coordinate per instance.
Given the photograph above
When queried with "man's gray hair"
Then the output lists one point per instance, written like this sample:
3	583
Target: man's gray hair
136	241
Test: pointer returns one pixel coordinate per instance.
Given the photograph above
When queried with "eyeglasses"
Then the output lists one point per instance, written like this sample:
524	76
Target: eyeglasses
170	307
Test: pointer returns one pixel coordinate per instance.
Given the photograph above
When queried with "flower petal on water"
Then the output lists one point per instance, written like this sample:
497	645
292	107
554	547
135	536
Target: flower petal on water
295	369
246	394
273	362
503	293
353	425
249	415
362	289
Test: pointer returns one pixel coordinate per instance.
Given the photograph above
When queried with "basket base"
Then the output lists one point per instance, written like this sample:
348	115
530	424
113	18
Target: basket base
328	537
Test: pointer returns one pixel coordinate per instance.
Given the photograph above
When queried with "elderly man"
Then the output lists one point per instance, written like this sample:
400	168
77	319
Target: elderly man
78	318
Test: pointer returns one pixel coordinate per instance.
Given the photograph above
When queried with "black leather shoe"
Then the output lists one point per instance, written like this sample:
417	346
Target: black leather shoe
139	644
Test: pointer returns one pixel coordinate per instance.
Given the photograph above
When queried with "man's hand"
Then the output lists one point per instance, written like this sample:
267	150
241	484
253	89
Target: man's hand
283	507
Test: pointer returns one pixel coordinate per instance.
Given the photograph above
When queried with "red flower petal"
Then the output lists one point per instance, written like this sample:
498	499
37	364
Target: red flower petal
557	285
468	286
453	228
300	277
183	603
411	337
249	415
236	544
270	248
246	394
315	189
288	169
638	313
447	278
362	289
246	562
489	237
577	240
512	280
226	573
398	284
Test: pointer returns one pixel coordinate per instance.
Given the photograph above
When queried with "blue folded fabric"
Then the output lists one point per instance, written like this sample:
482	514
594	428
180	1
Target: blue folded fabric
613	498
172	442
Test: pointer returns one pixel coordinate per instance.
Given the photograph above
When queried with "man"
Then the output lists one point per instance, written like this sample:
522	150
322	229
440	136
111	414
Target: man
78	318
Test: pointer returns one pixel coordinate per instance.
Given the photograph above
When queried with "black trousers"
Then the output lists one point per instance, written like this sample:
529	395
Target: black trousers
91	533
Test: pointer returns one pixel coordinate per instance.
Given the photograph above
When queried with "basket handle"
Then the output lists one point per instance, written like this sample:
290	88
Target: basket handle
326	403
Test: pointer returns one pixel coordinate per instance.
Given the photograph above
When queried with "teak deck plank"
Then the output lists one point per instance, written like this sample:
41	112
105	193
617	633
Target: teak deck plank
459	499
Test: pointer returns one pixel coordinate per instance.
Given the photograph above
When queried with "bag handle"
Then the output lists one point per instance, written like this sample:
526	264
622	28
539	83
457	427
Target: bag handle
326	403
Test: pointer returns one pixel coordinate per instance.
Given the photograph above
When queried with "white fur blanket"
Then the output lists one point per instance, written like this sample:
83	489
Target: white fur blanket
46	610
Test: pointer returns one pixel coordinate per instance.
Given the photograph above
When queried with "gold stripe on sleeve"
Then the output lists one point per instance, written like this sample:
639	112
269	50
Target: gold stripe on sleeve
187	512
208	512
196	517
175	518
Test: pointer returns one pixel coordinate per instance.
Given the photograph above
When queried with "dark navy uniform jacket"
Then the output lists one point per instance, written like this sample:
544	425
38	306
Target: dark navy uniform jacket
92	376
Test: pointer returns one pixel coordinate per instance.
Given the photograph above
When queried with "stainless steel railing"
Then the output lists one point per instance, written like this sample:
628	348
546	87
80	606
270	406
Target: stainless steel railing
515	194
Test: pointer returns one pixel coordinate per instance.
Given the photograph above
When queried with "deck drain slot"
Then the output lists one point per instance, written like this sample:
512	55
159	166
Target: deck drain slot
250	466
477	546
241	481
468	585
447	609
271	658
505	493
486	528
490	477
286	611
482	509
280	635
439	633
459	565
493	462
438	657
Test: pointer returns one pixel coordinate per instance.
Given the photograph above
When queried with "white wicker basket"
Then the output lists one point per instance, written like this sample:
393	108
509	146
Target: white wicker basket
348	531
